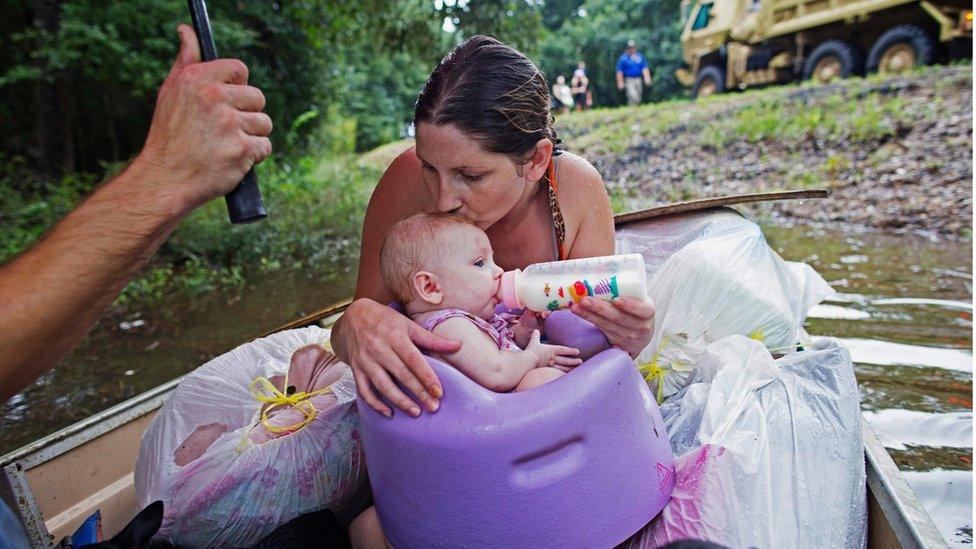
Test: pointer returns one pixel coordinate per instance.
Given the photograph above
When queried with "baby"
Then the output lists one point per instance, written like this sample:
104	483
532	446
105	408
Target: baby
440	267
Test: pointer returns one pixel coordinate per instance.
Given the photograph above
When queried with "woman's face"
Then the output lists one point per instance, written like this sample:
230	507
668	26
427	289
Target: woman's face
462	177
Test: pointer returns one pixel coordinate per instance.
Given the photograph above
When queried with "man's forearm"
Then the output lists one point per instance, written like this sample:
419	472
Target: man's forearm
52	294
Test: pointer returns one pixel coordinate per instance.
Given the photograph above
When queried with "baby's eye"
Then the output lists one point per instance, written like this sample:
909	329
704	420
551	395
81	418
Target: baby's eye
479	263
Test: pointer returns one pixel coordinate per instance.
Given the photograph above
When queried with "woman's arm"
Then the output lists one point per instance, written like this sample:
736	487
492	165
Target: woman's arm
628	323
378	343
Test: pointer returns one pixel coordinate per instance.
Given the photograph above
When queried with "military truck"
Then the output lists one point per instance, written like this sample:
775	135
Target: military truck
734	44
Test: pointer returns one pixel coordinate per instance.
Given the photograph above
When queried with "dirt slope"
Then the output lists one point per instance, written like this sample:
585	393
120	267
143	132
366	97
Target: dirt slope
896	152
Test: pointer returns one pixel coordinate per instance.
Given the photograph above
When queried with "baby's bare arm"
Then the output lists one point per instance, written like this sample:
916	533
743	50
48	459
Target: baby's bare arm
482	360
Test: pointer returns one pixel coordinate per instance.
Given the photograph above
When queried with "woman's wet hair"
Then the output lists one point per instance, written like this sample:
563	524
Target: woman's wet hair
493	93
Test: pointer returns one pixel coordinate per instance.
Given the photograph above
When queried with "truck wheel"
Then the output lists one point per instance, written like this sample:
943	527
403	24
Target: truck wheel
710	80
901	48
832	60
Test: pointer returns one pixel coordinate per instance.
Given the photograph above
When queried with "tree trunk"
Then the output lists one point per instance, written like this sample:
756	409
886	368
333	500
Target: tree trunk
54	141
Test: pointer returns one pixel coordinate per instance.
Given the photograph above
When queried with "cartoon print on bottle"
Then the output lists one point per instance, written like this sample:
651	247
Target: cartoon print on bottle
611	276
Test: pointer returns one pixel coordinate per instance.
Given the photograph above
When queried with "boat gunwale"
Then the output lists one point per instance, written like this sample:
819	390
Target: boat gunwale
907	517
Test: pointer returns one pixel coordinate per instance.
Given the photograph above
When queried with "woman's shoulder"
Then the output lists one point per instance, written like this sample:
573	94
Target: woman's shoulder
577	179
585	206
401	187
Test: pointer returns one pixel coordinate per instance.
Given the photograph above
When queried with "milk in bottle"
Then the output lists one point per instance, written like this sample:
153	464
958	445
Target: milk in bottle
556	285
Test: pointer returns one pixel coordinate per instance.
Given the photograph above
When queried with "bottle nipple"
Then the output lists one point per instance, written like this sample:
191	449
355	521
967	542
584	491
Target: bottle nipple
507	291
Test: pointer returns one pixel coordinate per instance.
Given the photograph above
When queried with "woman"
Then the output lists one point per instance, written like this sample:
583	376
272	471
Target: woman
486	149
563	95
582	96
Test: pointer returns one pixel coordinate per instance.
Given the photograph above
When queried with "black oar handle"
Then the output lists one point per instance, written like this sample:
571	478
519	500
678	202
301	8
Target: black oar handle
244	203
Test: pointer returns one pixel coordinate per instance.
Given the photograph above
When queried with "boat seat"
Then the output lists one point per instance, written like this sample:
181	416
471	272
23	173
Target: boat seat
583	461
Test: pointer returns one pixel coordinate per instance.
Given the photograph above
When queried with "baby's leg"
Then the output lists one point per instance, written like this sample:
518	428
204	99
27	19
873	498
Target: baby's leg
365	531
536	377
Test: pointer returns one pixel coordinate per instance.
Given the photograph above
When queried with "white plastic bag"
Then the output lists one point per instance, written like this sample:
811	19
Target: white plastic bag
228	476
712	274
768	453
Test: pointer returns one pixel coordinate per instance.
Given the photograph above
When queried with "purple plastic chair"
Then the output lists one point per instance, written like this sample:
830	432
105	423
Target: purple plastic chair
583	461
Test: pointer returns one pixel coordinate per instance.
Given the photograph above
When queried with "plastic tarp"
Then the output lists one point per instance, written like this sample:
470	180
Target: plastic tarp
232	459
711	275
768	452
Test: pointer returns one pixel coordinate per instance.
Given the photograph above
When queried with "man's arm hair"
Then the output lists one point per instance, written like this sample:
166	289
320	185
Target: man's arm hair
207	131
52	294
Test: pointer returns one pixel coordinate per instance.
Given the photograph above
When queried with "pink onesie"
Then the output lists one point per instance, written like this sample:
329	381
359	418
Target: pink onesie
499	328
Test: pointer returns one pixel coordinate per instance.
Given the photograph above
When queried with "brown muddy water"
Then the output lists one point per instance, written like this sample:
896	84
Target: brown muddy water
903	308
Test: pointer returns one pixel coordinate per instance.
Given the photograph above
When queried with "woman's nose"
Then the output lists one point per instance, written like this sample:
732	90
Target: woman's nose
447	199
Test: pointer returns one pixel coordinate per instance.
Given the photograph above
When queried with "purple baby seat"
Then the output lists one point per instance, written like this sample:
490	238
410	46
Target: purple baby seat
583	461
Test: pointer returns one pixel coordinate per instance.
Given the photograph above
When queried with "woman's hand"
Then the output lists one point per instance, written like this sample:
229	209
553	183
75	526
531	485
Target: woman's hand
381	345
627	322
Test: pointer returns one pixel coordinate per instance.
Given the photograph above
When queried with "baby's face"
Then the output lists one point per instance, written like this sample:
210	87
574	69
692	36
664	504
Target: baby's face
467	272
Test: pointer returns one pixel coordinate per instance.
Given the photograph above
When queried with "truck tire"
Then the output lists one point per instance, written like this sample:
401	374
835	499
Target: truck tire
833	59
710	81
901	48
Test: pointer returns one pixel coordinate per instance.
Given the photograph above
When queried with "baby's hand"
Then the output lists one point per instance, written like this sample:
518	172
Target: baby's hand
556	356
526	324
528	321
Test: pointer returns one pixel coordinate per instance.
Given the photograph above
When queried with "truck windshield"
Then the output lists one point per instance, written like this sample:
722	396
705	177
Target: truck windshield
701	19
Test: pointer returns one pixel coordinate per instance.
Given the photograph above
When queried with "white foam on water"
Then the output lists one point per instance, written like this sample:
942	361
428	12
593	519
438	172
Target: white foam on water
948	498
837	312
945	303
898	429
887	353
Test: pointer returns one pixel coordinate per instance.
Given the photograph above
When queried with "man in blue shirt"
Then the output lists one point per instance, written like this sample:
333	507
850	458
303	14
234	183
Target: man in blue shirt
632	73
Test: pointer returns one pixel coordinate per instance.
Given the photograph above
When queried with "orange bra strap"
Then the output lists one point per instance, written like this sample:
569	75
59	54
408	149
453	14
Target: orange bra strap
552	176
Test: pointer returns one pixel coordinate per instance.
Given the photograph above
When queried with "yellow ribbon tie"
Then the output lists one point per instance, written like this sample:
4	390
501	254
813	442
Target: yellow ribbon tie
653	371
264	391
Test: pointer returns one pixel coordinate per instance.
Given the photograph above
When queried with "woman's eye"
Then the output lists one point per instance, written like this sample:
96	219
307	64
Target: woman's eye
472	178
479	263
428	167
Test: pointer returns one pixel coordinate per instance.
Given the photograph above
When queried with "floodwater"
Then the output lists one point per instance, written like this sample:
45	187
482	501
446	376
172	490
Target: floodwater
903	308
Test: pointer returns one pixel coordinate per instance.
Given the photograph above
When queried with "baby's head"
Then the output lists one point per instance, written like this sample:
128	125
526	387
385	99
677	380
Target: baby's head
440	261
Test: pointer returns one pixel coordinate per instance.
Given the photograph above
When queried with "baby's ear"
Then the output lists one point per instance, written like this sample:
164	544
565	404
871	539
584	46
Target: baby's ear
427	287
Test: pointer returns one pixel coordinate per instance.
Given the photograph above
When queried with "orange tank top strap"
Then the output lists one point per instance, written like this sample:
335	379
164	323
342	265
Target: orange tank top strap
558	225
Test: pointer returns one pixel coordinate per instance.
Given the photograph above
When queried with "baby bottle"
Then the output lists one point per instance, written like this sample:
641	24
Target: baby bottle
558	284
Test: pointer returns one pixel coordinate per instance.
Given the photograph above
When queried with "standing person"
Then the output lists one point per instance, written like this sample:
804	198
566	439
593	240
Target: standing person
632	73
207	132
563	95
486	149
580	85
